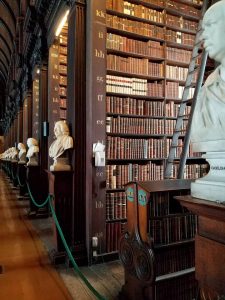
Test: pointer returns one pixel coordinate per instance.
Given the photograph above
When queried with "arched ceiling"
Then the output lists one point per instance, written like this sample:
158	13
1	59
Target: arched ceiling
9	13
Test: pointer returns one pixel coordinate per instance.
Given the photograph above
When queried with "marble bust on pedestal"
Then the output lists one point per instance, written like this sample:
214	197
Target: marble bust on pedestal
33	152
22	153
208	125
13	154
59	148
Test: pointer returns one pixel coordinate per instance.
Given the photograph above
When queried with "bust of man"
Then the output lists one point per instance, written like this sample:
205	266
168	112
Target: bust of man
13	154
22	153
32	153
208	125
58	149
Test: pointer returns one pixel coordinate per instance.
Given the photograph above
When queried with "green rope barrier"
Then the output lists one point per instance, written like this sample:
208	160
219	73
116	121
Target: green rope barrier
91	288
33	200
13	177
20	184
76	268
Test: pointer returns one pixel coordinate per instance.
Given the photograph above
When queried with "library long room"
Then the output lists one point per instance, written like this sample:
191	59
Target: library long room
112	161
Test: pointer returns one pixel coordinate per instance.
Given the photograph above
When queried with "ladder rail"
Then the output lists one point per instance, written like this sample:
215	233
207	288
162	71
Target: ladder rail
180	117
184	154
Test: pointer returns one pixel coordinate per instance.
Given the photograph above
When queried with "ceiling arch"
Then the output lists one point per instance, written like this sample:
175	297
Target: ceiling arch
9	13
4	65
5	49
4	43
3	75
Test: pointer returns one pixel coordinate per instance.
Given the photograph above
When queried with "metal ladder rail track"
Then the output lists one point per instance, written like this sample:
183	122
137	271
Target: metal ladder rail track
188	84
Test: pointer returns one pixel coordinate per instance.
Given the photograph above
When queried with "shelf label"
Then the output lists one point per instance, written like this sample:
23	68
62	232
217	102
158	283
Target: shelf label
99	53
142	197
100	13
130	194
99	204
100	122
100	98
100	35
100	79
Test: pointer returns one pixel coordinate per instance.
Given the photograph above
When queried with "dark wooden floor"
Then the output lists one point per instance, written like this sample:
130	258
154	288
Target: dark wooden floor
27	273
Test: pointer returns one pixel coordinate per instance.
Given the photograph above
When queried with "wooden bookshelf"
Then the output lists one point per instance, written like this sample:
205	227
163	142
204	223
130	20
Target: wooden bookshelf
148	50
35	107
57	76
160	236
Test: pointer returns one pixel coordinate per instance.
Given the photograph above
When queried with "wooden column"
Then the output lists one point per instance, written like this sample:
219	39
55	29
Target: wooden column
20	125
43	113
77	122
95	123
29	110
43	117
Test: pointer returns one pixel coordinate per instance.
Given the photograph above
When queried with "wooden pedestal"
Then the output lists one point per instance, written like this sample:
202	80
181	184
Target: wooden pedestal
34	180
14	173
61	186
209	244
21	173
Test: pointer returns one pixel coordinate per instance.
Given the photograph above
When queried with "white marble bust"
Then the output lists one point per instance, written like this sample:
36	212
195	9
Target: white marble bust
33	152
58	149
13	154
22	153
208	125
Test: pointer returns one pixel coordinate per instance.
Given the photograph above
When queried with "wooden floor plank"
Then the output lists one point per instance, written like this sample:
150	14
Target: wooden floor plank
28	274
106	278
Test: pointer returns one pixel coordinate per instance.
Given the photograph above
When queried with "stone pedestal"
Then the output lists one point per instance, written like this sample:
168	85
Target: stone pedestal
61	186
21	173
14	164
34	180
212	186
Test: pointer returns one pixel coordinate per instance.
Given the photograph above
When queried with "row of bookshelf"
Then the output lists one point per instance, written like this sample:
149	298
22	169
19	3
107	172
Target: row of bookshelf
175	259
140	28
133	65
113	234
152	50
63	39
132	106
153	3
143	108
183	8
162	204
174	90
166	230
133	86
191	171
141	126
127	45
119	175
180	22
142	10
116	206
183	287
133	148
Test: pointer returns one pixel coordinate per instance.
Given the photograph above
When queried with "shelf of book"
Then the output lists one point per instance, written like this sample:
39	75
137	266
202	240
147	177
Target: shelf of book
35	105
157	220
148	50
